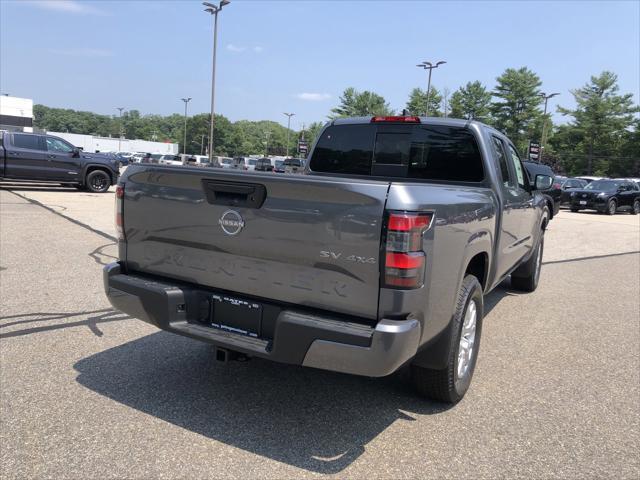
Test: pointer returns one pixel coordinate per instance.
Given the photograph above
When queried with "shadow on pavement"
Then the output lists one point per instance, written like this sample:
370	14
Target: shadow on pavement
93	319
311	419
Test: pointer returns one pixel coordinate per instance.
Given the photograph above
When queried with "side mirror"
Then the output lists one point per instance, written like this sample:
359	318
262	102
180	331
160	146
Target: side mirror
76	152
543	182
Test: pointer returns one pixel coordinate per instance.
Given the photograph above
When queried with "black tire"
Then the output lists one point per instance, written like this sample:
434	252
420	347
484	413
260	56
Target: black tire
98	181
612	206
635	208
527	275
447	385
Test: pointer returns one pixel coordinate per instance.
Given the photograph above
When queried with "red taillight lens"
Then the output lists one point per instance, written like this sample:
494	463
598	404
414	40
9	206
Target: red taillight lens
405	270
120	212
401	119
404	260
408	221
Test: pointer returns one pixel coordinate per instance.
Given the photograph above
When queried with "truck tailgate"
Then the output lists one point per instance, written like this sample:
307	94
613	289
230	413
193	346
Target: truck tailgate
313	241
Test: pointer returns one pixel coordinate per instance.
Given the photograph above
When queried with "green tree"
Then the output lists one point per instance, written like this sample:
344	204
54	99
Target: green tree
516	107
417	103
472	102
358	104
601	124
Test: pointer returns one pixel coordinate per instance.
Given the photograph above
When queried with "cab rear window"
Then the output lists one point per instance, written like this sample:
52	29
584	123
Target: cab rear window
426	152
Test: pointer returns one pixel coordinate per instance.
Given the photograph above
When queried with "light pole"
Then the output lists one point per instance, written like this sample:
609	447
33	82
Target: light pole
429	66
213	10
289	115
120	109
266	143
186	101
546	98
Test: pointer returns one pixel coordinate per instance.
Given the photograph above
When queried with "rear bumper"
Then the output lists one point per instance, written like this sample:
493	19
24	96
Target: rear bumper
299	338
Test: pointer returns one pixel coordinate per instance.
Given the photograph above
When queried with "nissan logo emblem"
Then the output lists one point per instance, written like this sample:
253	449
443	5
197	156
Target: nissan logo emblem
231	222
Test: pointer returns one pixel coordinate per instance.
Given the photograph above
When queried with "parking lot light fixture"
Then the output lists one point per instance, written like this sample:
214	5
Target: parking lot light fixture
120	109
186	101
289	115
429	66
546	98
213	10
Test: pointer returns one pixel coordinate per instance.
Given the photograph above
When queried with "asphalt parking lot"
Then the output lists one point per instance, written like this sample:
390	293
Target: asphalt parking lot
87	392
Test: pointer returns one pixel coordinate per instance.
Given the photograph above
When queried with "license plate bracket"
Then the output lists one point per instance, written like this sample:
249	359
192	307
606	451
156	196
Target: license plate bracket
235	315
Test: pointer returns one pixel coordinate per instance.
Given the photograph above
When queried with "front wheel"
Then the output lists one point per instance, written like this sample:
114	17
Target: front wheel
98	181
611	207
451	383
527	275
635	209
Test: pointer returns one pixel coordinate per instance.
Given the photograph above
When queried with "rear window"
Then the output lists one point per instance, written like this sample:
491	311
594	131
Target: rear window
427	152
31	142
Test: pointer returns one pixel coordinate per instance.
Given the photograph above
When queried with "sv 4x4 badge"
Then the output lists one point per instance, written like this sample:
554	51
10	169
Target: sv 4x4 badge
350	258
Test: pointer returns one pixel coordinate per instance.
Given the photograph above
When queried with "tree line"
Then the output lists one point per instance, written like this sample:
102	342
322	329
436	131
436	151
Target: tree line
601	136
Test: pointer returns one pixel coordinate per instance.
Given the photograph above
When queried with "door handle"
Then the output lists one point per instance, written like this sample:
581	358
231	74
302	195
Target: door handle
51	156
14	153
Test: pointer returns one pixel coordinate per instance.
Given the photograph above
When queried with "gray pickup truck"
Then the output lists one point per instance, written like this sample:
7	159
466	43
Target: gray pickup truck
35	157
377	258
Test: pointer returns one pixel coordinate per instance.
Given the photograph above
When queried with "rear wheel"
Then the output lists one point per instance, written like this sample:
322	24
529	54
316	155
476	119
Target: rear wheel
611	207
635	209
527	275
98	181
451	383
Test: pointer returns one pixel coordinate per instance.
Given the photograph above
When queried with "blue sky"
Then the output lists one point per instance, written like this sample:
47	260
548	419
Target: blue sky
298	56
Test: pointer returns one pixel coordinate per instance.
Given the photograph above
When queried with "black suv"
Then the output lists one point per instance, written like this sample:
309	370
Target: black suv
45	158
552	194
607	196
264	165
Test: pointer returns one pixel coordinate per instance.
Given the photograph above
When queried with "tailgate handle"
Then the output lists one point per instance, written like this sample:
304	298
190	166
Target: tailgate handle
232	194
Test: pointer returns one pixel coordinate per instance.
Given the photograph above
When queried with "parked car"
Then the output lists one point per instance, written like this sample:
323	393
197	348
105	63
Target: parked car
46	158
567	186
607	196
552	194
293	165
170	160
589	179
264	165
359	267
226	162
279	166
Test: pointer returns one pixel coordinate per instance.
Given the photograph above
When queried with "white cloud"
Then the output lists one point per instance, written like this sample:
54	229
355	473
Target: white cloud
240	48
67	6
235	48
313	97
82	52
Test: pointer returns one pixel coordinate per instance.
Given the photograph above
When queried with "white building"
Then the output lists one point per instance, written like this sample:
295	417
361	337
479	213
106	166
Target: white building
91	143
16	113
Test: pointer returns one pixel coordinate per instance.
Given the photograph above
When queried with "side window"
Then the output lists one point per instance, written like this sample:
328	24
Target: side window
507	181
518	168
30	142
57	145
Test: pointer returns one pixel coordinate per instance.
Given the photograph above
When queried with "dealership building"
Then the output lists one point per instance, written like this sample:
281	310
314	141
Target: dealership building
16	114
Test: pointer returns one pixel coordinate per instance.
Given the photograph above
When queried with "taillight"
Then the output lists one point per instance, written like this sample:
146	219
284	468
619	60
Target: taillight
120	212
394	118
404	260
